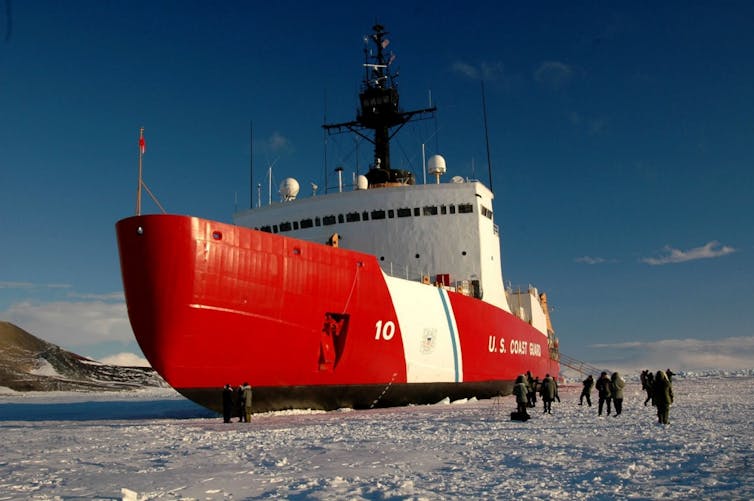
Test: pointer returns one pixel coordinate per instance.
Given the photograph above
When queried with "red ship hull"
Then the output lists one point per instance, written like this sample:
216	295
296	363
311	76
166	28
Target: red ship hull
307	325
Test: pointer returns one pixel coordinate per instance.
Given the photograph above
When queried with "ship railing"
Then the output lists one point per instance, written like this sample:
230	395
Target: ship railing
578	365
406	272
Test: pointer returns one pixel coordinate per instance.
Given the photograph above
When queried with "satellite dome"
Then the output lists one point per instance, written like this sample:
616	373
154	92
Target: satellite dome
289	189
436	165
361	182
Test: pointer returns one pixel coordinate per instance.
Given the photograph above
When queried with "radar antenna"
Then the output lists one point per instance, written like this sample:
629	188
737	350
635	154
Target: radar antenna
379	111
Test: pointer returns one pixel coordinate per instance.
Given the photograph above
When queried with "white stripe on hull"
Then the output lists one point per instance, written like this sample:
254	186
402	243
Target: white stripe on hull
431	346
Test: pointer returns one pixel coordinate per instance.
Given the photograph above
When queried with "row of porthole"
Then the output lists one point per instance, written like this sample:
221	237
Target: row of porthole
417	256
352	217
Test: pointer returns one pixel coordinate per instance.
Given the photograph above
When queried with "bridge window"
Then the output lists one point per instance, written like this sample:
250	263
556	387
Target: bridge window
353	217
404	212
430	210
328	220
286	226
306	223
378	214
465	208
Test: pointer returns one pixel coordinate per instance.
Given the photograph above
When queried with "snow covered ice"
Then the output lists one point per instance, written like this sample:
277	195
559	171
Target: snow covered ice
155	445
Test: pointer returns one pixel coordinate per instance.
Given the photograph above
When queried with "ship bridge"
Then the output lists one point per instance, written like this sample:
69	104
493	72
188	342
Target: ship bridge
442	234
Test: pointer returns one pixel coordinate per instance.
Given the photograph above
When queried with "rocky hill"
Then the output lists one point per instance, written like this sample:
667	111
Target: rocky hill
28	363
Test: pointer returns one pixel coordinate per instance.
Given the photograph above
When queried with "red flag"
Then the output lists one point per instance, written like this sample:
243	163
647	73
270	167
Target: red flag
142	145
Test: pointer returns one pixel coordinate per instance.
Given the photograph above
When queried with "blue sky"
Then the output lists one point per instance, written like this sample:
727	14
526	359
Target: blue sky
621	136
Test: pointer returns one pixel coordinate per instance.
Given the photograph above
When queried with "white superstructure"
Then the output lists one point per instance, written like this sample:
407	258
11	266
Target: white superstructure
441	233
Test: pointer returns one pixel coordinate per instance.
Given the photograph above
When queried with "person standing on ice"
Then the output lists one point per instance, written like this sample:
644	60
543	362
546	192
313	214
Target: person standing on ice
531	390
239	404
520	390
650	389
586	392
616	389
547	391
663	396
246	399
227	402
603	392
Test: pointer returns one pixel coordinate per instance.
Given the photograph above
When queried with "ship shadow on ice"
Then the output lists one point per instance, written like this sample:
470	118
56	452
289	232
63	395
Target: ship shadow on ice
106	410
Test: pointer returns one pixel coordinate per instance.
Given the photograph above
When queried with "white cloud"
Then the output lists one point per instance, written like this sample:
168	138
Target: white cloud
125	359
488	71
591	125
590	260
682	354
710	250
277	142
29	285
466	70
109	296
72	323
553	74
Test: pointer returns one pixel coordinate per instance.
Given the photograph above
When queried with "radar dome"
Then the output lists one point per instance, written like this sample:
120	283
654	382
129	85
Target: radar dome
289	189
436	165
361	182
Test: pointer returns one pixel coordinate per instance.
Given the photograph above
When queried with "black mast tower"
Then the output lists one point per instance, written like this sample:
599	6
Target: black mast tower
379	111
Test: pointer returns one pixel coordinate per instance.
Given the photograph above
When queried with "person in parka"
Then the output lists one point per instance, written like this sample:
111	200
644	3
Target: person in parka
521	391
531	389
246	399
616	389
548	391
586	392
227	402
663	396
603	392
650	389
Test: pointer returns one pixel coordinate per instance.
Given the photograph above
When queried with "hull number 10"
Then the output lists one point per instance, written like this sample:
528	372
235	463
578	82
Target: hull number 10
384	330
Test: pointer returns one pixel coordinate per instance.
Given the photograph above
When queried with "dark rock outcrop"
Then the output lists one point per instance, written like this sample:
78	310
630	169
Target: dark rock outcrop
28	363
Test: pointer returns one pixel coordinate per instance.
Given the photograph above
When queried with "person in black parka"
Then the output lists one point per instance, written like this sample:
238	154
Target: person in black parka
650	389
663	396
227	402
604	393
548	391
520	390
587	391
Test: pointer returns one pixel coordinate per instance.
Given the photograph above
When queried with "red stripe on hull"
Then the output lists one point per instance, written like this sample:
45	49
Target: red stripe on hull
497	345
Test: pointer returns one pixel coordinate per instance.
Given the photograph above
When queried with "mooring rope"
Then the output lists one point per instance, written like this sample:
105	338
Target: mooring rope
376	400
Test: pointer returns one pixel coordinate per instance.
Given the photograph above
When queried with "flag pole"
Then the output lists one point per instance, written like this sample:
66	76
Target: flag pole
142	147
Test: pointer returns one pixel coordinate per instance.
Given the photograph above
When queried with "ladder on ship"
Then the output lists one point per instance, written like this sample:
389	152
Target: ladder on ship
579	366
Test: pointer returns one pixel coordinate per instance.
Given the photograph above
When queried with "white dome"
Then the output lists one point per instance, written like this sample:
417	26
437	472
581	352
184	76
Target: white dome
436	165
289	189
361	182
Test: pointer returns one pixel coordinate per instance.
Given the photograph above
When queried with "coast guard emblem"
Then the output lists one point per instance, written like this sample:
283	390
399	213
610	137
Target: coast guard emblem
428	340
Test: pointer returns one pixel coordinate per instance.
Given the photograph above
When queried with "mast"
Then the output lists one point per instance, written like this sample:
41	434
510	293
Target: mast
380	112
142	149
